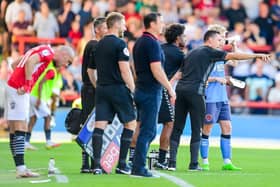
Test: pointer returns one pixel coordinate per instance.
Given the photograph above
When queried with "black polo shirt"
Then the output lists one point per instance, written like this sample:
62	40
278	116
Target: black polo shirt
174	58
88	60
146	50
196	68
109	51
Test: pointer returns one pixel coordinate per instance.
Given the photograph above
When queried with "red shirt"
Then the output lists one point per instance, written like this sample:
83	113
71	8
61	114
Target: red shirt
17	79
132	15
75	35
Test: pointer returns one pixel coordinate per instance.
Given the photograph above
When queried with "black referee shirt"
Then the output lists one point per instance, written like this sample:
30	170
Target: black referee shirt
197	67
88	60
109	51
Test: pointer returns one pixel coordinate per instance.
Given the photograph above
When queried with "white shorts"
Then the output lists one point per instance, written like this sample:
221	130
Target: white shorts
42	111
17	106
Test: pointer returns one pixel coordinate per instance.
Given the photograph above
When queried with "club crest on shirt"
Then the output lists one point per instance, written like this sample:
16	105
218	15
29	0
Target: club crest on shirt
125	51
208	117
45	52
12	105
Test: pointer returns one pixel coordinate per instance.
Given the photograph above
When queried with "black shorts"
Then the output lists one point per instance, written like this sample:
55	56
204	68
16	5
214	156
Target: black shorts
166	111
114	99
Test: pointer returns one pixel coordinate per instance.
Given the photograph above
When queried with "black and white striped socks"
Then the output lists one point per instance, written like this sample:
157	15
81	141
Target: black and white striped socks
19	140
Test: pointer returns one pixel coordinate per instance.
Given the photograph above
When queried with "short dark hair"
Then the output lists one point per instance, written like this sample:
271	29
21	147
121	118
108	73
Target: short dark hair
210	34
112	18
149	18
173	31
98	21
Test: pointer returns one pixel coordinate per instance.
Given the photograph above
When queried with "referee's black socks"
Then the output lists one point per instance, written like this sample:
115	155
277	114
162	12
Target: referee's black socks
97	146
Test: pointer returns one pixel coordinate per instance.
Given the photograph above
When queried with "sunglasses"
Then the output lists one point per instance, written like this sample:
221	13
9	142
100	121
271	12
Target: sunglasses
69	62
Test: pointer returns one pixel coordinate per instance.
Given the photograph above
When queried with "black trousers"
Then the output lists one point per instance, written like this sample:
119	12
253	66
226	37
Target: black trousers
193	104
88	100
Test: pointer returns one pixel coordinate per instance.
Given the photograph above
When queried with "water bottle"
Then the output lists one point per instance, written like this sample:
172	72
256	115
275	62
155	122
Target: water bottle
51	166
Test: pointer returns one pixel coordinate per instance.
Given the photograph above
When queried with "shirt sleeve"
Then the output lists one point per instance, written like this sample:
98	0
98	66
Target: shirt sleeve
90	55
181	61
123	54
270	82
45	54
248	81
217	55
154	52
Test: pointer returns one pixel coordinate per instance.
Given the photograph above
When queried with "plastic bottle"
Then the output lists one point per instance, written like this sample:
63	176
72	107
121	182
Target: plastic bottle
51	166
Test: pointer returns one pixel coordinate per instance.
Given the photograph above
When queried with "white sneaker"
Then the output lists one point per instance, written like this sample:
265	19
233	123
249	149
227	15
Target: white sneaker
26	173
28	146
50	145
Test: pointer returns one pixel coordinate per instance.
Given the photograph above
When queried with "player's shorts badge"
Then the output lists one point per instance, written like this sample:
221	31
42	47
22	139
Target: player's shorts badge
208	117
12	105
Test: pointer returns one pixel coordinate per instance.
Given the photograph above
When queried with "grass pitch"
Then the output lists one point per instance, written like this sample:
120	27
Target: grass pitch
260	168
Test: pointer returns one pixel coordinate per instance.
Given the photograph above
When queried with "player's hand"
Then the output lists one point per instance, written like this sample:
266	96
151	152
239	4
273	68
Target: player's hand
228	82
221	80
132	89
172	95
21	91
232	63
172	82
264	57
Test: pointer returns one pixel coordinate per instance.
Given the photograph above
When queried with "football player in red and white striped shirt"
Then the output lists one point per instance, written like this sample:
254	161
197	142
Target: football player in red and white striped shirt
27	70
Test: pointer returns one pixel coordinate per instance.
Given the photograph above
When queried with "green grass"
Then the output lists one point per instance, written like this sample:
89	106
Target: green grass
260	168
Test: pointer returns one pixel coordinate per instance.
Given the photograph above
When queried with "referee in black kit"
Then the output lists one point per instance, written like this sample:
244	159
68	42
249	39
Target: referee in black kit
115	86
190	92
89	80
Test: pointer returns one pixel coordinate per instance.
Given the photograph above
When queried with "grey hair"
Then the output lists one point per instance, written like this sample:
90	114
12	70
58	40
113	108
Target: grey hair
68	50
218	28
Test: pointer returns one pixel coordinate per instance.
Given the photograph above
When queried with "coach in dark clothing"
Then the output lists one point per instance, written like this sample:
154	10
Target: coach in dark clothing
190	92
89	80
115	86
148	58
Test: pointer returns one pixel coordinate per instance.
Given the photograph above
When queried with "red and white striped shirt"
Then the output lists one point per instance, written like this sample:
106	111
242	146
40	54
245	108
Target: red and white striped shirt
17	79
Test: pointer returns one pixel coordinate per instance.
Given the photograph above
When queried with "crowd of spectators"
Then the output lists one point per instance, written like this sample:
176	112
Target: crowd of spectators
256	24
